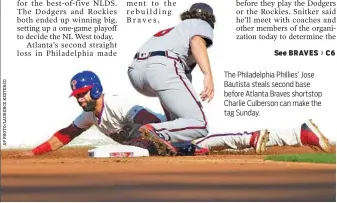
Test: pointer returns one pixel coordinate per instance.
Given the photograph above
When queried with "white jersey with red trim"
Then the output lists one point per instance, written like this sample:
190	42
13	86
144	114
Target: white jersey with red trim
116	112
115	109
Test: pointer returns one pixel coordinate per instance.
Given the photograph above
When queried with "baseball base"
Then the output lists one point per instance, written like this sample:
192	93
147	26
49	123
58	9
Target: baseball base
110	151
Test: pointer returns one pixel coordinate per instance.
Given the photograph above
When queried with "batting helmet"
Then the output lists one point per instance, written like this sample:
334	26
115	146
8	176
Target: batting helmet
85	81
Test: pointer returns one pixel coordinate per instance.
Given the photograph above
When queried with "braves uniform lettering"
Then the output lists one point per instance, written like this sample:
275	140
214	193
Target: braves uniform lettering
163	32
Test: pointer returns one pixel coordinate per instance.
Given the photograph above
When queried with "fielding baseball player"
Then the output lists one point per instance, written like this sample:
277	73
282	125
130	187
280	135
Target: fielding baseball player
113	115
162	68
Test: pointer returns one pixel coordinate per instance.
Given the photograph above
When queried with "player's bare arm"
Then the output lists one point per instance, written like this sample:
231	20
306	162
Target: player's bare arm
199	52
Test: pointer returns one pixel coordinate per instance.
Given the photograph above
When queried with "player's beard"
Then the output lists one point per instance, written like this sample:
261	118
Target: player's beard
91	105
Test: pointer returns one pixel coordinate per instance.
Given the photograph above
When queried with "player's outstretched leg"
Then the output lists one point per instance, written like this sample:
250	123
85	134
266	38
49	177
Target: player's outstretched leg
305	134
255	139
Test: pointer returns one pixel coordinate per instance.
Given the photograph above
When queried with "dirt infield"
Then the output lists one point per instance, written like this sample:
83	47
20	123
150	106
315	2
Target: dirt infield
70	175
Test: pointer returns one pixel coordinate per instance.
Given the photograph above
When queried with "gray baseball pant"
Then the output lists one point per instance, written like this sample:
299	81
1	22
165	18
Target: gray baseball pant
165	78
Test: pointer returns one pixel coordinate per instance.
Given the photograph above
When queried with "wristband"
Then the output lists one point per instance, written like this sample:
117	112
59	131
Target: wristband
43	148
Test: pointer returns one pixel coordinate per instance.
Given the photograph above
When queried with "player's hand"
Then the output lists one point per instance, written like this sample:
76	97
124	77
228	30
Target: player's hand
208	92
25	154
20	155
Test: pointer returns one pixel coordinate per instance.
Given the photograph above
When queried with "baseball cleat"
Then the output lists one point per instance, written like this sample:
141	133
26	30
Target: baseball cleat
201	151
155	144
192	150
312	137
259	140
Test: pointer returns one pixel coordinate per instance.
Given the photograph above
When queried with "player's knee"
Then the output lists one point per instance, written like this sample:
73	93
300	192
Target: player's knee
143	116
204	132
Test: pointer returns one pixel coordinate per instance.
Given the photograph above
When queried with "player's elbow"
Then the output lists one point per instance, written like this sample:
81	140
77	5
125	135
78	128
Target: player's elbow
66	135
198	42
